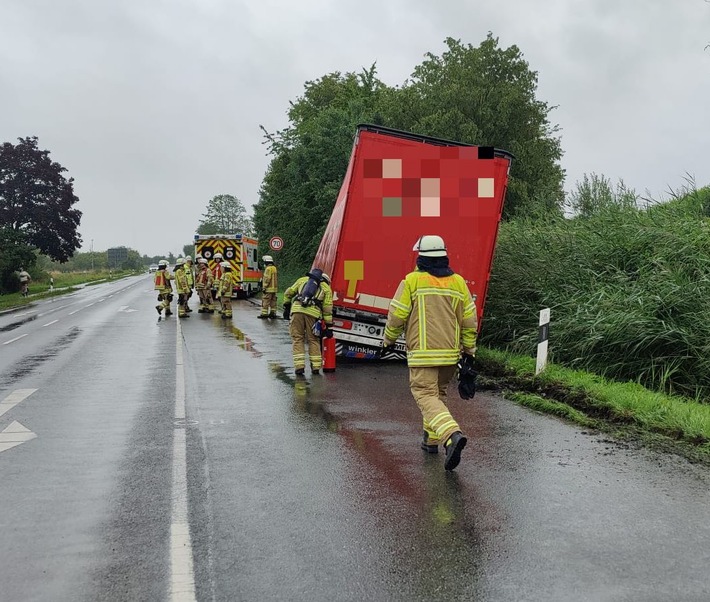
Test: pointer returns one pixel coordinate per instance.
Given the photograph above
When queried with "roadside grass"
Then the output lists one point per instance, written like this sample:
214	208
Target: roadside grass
627	409
64	283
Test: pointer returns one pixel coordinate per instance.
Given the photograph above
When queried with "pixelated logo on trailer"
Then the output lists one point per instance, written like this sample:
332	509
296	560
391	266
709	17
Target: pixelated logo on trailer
422	196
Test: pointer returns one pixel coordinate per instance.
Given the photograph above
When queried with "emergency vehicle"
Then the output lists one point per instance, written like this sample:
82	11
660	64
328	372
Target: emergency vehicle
241	252
399	186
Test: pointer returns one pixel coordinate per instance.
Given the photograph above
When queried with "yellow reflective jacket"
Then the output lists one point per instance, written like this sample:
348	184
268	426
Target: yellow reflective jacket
269	281
226	284
439	316
181	282
190	275
324	300
162	280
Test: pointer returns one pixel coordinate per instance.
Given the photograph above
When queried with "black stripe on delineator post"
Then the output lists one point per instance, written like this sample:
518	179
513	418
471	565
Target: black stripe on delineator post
543	333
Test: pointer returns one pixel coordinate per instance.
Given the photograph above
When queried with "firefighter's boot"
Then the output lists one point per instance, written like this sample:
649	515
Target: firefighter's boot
453	447
160	310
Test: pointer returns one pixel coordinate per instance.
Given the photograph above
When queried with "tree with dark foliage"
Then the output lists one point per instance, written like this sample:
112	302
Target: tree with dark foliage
37	201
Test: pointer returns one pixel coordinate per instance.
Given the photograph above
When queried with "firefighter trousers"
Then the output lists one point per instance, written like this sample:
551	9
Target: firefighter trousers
165	302
205	295
301	330
268	304
428	386
226	302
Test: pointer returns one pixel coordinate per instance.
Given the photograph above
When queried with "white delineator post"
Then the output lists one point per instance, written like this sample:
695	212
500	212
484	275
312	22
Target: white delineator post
543	333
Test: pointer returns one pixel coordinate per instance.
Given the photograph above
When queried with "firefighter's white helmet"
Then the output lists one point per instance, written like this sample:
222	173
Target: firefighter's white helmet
268	259
325	277
201	260
163	262
188	258
179	261
226	265
198	256
430	245
218	255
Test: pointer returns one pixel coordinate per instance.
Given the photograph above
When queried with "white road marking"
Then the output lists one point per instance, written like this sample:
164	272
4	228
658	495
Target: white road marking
50	323
15	339
14	398
71	313
90	304
15	434
126	309
100	300
182	576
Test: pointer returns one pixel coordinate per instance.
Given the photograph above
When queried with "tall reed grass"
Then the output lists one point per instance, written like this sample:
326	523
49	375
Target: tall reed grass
628	288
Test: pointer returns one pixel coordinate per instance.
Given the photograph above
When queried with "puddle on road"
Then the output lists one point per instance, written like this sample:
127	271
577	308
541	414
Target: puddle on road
303	398
30	363
243	340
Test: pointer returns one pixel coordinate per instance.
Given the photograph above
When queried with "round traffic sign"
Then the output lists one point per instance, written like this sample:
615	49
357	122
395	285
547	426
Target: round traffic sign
276	243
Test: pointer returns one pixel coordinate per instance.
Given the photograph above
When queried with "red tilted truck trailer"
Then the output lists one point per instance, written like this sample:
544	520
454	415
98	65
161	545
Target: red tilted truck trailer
398	187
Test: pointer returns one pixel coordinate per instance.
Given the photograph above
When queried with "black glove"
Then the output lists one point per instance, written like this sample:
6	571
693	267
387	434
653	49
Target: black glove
328	333
170	297
160	297
287	310
385	349
467	377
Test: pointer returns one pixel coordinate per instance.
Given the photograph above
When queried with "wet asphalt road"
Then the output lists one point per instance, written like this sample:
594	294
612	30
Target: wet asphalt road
304	489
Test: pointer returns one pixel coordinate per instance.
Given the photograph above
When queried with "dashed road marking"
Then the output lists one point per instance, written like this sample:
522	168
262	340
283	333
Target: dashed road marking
50	323
15	434
15	339
14	398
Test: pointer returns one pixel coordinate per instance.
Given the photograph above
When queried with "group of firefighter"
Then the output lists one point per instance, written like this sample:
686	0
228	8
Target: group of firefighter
212	286
432	306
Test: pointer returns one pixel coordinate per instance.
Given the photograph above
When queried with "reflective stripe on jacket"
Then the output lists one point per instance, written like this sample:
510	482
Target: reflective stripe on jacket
439	316
270	279
324	296
190	275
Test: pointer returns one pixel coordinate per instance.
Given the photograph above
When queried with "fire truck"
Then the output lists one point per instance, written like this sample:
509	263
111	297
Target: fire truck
399	186
241	252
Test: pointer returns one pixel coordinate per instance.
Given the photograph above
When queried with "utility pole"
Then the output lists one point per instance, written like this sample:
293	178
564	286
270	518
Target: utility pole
92	254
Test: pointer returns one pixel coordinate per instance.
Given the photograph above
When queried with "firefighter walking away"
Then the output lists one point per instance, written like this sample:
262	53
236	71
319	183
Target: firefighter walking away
434	308
306	302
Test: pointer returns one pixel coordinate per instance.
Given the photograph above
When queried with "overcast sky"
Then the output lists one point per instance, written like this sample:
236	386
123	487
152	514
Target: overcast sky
154	106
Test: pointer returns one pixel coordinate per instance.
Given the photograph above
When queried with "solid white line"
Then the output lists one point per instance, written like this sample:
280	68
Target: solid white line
182	576
49	323
15	339
14	398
